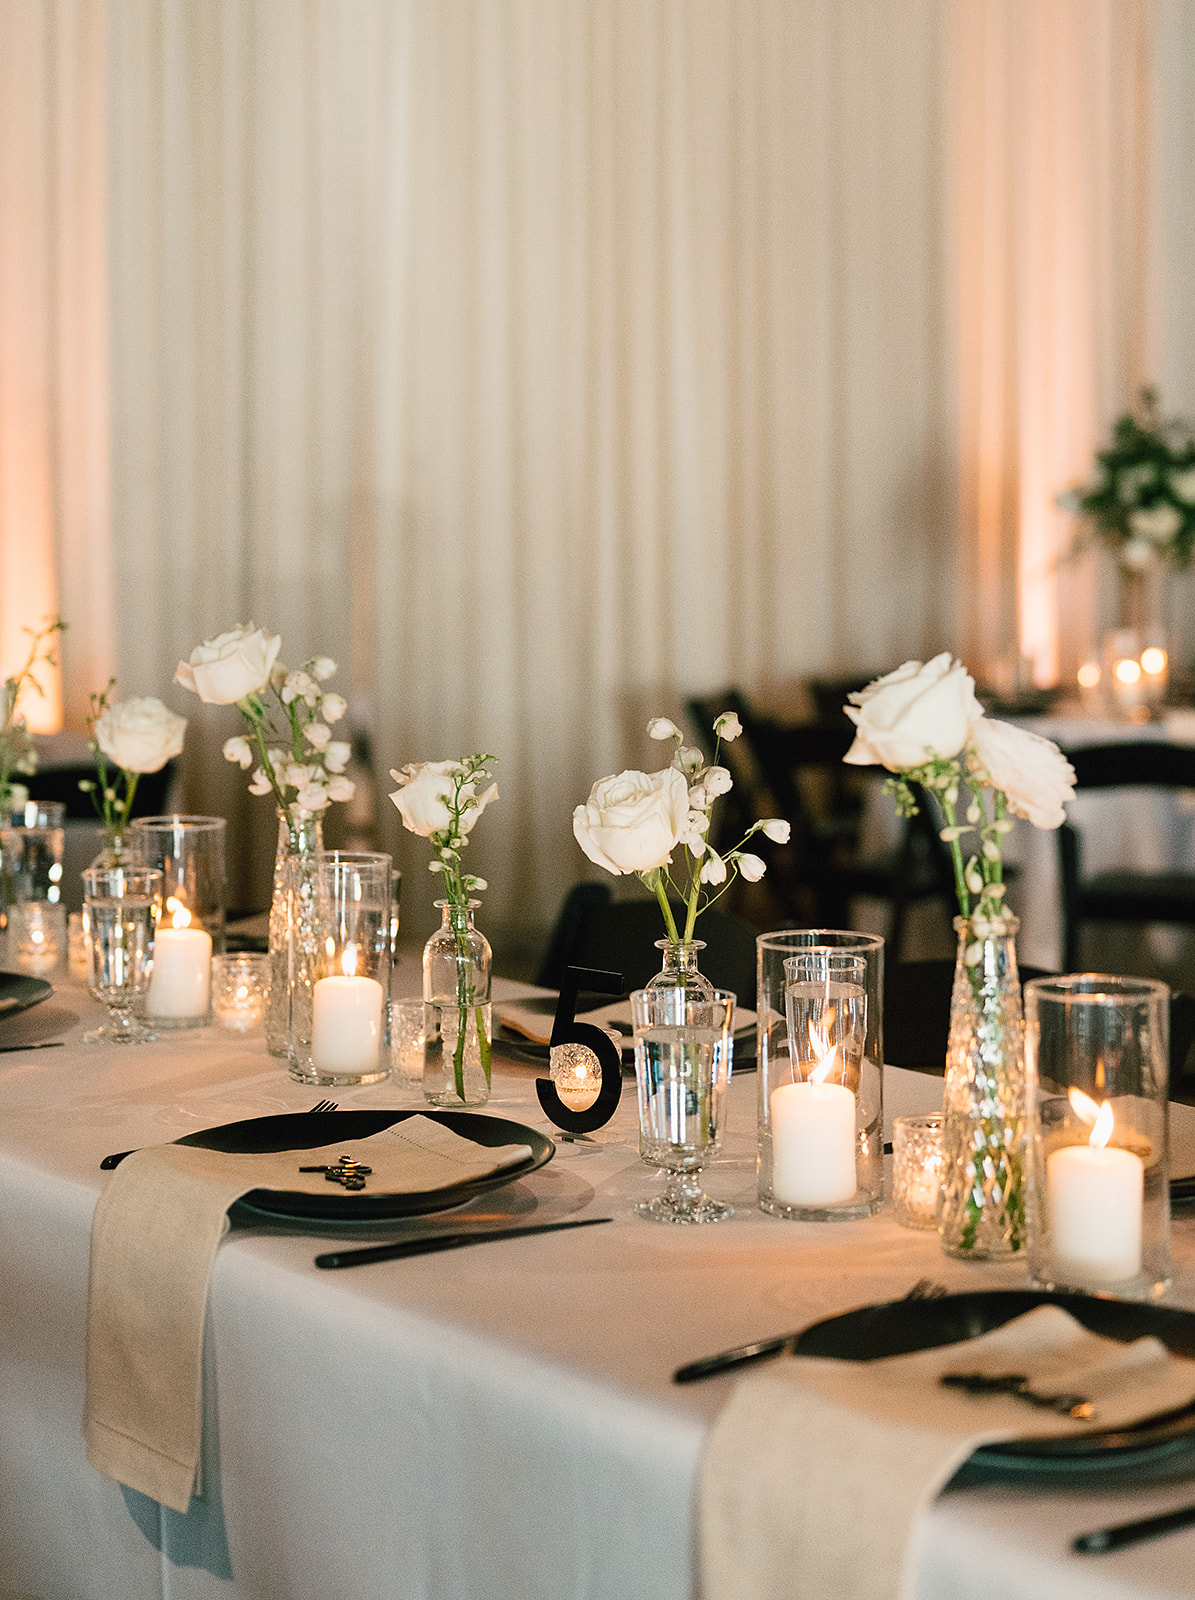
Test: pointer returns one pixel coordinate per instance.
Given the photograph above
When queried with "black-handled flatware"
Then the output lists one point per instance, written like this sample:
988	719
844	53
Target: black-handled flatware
40	1044
1123	1533
430	1243
742	1355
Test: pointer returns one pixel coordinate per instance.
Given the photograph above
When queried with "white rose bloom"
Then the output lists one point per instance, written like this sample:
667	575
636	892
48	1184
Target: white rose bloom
341	788
234	664
717	780
140	735
317	735
714	869
1159	523
322	668
661	728
424	790
752	868
332	707
1182	485
776	829
633	820
728	726
260	784
337	754
239	750
913	715
1032	771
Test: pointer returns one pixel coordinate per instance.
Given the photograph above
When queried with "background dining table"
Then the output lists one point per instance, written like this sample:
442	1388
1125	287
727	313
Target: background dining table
492	1423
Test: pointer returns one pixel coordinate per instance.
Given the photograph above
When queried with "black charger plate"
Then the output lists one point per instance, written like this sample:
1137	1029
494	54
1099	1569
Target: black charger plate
901	1327
18	992
301	1130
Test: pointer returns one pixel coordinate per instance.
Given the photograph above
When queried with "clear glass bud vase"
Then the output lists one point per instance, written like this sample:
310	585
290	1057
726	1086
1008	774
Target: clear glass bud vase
293	932
680	970
456	992
981	1211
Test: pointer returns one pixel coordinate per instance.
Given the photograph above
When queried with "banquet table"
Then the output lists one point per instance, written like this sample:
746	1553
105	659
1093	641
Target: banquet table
498	1423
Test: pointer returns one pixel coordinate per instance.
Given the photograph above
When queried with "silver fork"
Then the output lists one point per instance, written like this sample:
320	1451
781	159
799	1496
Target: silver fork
323	1105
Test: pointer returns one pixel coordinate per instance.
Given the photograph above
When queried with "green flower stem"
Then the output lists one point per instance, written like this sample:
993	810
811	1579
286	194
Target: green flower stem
252	711
669	920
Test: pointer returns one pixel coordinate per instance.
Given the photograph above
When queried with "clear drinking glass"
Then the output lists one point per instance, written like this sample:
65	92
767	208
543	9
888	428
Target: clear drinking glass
683	1051
32	840
123	905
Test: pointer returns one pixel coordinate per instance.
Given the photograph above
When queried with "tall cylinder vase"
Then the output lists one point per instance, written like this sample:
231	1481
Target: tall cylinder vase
981	1212
293	932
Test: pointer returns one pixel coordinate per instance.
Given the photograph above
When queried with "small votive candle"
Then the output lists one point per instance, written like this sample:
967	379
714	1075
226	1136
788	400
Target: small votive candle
408	1040
577	1074
240	990
79	945
40	932
917	1169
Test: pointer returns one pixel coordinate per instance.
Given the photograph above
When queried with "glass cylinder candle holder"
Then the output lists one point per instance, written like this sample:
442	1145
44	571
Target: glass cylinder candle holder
819	1036
189	853
240	991
1097	1052
32	841
352	977
917	1169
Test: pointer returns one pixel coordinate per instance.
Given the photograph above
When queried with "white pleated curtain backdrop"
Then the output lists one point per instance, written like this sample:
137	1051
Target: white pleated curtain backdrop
542	361
549	360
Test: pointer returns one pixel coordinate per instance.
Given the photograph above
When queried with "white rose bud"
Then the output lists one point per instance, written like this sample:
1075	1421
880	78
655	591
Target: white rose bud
337	754
231	666
728	727
916	714
661	728
1033	773
140	735
317	734
333	707
240	751
776	829
632	820
752	868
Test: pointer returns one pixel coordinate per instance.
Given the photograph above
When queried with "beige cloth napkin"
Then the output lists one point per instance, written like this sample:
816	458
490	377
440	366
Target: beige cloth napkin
817	1471
153	1240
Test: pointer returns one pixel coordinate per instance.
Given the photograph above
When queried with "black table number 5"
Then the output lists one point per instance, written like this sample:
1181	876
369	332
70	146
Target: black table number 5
567	1030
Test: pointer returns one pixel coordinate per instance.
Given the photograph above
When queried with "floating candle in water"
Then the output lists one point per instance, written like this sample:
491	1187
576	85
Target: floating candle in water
181	982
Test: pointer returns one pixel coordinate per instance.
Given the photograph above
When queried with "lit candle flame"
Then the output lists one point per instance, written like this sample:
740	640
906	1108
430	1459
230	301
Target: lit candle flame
348	961
826	1068
1083	1105
180	917
1102	1131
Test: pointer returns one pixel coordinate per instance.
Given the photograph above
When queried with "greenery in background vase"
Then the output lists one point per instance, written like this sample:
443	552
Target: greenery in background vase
288	716
135	736
1140	501
17	753
441	802
924	724
634	821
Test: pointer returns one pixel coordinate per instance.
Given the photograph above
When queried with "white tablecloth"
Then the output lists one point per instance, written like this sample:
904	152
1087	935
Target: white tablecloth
493	1424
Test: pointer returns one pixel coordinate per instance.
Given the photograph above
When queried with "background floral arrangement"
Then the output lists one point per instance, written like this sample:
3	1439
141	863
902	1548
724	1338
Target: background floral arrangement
136	736
1141	498
17	754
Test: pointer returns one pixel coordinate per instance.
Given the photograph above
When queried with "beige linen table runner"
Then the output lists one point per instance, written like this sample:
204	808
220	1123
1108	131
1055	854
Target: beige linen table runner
817	1471
153	1240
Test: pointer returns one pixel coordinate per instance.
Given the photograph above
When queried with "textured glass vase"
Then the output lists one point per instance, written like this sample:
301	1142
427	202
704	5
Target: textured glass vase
458	1018
293	932
981	1214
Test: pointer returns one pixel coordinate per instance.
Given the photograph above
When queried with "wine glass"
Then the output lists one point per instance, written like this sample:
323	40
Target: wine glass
122	905
683	1045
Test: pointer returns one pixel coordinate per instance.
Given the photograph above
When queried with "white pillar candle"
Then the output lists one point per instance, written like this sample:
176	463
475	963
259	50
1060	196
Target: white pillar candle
346	1024
180	984
813	1144
1095	1204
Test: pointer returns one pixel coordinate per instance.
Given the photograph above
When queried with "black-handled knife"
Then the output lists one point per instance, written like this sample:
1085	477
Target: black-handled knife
741	1356
430	1243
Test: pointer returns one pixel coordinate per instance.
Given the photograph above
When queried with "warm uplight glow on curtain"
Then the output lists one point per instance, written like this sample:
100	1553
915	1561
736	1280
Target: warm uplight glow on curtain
54	552
1049	104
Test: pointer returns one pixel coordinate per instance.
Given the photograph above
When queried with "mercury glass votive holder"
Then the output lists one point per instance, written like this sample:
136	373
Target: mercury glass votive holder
240	991
917	1169
37	933
1097	1054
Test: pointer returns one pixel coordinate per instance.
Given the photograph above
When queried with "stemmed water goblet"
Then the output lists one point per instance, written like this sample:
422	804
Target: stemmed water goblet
122	905
683	1045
